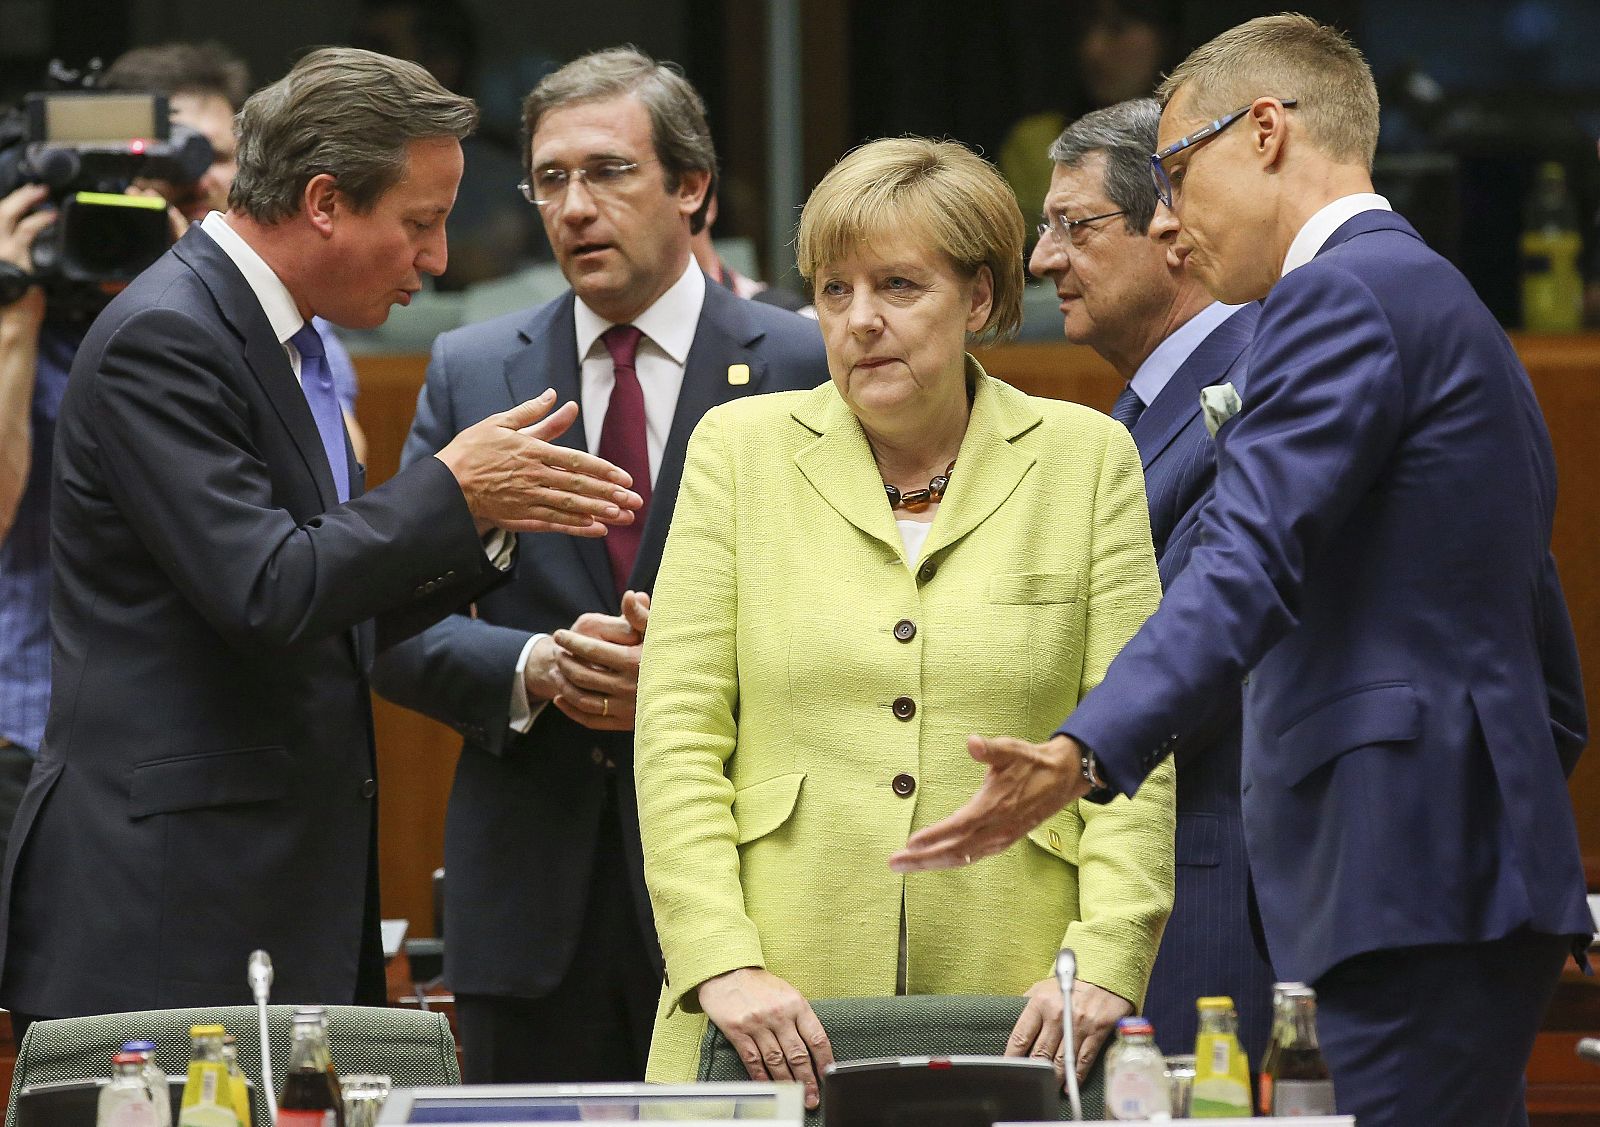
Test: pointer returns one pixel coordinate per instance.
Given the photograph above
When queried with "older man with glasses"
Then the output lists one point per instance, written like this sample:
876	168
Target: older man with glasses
552	951
1126	292
1376	564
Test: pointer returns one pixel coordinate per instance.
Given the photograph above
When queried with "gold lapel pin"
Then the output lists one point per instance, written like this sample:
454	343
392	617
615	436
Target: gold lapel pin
738	374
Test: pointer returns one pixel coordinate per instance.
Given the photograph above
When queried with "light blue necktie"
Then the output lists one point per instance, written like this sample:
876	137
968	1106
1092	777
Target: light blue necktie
317	383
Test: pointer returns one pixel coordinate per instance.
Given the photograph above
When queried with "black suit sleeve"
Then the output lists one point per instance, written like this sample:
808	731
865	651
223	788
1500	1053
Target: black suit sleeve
459	671
181	461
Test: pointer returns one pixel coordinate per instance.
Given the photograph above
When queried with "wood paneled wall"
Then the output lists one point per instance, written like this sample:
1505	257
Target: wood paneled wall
417	756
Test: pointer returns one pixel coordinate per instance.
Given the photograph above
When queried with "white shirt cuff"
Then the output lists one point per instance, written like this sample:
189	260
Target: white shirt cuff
523	714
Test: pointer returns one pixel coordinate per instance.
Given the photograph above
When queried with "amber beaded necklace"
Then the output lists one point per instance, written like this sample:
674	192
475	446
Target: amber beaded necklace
919	499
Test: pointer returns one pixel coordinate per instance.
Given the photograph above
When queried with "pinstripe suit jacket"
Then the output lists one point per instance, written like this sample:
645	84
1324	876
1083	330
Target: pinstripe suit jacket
1208	947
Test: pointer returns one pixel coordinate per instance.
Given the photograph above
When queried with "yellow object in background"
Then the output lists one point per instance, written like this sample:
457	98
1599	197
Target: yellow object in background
1552	285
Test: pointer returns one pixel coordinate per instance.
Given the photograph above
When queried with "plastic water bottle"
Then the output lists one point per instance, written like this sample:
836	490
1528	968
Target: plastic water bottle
1136	1074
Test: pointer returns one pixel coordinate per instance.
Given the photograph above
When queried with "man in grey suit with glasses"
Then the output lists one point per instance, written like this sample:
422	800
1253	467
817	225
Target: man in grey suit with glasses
551	948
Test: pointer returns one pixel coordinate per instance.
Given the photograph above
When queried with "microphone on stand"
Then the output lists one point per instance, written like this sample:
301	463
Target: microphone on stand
1066	975
260	975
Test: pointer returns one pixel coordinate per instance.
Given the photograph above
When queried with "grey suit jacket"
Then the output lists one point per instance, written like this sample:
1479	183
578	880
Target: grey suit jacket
524	811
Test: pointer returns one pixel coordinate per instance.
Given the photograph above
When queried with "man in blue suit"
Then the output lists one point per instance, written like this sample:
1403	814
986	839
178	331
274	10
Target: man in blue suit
551	947
1110	251
1375	560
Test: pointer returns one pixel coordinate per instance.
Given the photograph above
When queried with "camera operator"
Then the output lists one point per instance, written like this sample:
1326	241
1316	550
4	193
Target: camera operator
206	85
33	373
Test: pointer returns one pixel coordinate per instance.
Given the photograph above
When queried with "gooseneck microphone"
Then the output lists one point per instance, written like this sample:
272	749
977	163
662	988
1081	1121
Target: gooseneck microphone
1066	975
260	975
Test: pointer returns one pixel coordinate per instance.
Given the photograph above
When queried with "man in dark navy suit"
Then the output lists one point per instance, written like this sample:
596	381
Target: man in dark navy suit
222	579
1109	248
551	947
1376	560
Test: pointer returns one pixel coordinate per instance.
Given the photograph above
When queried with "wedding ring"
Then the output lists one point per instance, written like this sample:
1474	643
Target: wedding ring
605	706
966	858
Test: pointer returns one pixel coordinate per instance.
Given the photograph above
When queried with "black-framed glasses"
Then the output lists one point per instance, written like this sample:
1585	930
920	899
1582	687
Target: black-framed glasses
604	178
1198	137
1067	231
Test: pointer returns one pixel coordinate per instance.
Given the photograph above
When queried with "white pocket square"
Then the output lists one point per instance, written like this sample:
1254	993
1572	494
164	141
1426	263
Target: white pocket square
1219	403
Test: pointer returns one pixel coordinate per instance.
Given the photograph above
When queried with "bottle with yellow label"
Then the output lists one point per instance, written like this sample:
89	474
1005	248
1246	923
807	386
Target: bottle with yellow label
208	1091
1552	284
1221	1072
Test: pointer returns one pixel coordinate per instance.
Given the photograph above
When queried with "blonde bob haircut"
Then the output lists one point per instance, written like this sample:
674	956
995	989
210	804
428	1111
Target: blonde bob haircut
939	193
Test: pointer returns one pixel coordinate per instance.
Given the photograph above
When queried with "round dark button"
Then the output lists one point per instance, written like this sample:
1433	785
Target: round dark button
369	788
904	707
926	571
903	785
905	630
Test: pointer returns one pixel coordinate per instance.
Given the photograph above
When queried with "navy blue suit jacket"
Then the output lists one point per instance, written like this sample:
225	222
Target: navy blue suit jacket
524	811
1208	947
206	785
1376	559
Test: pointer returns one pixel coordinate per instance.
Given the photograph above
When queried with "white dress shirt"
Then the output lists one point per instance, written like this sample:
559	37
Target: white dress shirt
669	326
1325	222
284	317
1171	354
276	301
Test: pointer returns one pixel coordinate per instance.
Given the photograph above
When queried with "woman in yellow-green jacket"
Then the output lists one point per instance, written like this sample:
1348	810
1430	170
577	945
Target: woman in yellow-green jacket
859	578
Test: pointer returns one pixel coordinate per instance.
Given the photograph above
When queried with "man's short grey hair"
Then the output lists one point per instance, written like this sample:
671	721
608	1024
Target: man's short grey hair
1126	134
349	113
677	114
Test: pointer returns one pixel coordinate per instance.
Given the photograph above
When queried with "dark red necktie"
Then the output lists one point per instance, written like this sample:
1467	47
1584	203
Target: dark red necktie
623	443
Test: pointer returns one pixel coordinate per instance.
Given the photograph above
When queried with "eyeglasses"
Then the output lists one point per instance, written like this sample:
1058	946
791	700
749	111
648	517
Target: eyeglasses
1073	231
1198	137
605	179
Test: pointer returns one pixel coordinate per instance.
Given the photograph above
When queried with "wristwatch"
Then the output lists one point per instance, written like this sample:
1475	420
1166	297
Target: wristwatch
1091	772
14	282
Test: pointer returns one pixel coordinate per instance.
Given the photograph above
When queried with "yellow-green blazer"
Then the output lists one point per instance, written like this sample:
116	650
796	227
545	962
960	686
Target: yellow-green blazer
786	626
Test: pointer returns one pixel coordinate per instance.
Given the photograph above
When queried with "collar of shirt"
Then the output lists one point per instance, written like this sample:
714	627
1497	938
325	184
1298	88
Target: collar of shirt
669	324
1325	222
269	289
1158	368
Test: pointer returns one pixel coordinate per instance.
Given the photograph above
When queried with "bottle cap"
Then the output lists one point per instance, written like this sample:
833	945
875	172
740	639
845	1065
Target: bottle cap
128	1058
1220	1002
1135	1026
207	1031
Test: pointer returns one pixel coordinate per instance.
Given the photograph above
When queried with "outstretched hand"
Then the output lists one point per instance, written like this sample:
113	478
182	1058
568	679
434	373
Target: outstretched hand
514	476
1025	784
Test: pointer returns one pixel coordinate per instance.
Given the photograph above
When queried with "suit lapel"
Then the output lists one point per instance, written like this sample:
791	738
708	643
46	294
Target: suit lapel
1210	363
724	337
549	359
263	353
840	467
989	467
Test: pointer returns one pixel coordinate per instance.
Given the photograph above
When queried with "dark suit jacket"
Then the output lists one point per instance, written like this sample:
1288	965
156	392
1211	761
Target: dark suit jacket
520	834
206	785
1208	947
1376	557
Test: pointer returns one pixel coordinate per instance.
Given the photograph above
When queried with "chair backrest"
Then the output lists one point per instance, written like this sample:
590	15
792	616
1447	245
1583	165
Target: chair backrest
415	1048
913	1025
